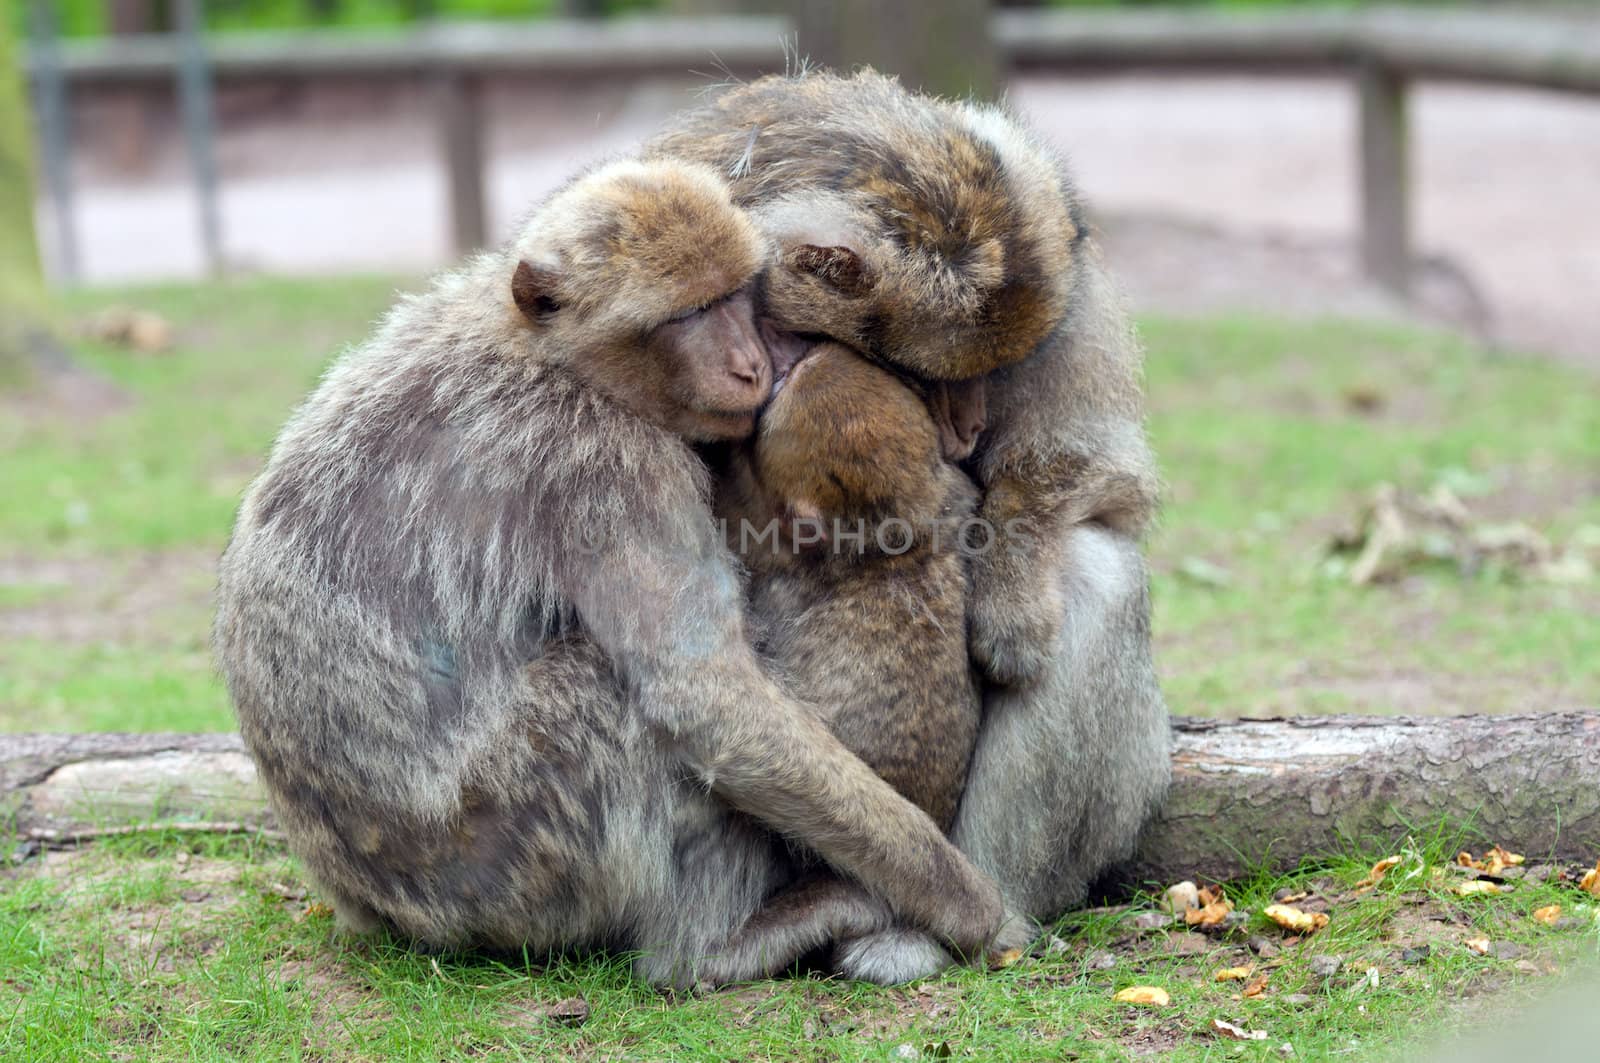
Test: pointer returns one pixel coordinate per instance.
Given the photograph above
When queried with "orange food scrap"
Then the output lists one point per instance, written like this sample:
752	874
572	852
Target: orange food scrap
1375	876
1256	987
1548	915
1144	994
1214	908
1478	945
1590	882
1225	1029
1494	862
1476	886
1232	974
1292	918
1008	957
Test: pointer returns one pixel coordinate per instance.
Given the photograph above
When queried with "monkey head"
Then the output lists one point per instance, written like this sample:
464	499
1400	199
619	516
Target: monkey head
844	438
940	266
639	278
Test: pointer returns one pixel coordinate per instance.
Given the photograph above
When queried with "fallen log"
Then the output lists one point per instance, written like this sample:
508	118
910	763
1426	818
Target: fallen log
1246	794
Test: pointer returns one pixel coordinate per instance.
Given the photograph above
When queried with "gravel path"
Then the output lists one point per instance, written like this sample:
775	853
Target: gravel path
1215	192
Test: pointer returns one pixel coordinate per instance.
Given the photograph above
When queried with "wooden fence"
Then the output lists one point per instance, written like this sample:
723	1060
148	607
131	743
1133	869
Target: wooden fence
1383	52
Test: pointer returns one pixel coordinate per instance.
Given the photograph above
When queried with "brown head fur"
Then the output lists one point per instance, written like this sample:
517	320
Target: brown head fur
957	262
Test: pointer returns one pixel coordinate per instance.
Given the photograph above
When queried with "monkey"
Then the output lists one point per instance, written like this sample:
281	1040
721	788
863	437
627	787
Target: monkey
942	239
487	646
848	519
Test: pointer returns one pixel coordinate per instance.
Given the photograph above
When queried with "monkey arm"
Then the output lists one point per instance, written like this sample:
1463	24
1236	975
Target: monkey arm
666	607
1067	448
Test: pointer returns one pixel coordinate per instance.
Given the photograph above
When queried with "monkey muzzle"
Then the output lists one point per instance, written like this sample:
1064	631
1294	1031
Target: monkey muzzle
787	350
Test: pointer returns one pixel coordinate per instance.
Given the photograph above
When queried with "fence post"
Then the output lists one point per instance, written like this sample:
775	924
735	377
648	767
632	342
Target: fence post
194	93
55	134
460	117
1384	137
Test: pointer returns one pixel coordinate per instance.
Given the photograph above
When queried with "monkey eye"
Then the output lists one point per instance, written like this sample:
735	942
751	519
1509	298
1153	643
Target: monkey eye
686	313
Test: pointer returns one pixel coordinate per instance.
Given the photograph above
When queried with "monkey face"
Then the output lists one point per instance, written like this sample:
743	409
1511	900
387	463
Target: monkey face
718	370
845	438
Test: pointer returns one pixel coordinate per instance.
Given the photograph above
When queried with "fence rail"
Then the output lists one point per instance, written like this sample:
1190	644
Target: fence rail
1383	52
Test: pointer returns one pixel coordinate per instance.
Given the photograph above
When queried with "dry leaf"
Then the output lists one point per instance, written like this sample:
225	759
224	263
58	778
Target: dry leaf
1478	945
1292	918
1257	987
1232	974
1228	1030
1549	915
1477	885
1143	994
1375	876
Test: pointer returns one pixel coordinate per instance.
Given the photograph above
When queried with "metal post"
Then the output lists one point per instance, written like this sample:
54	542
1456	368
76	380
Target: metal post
55	134
1385	177
194	92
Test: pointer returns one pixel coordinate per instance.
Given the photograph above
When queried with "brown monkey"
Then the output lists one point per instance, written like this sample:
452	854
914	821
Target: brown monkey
941	238
485	641
849	522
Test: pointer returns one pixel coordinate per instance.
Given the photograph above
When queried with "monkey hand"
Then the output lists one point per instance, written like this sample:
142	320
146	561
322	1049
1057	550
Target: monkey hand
1017	933
967	913
1013	623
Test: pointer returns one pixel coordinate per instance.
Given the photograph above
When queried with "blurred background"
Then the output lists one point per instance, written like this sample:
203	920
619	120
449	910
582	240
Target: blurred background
1363	242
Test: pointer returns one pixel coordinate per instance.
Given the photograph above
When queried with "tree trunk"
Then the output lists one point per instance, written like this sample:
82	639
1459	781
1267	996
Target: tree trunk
1246	794
23	305
944	47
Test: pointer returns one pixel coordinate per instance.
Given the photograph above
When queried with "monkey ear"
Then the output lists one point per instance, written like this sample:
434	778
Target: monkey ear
534	291
839	267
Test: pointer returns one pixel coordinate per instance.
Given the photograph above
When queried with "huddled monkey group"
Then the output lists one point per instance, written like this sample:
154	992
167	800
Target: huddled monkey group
742	564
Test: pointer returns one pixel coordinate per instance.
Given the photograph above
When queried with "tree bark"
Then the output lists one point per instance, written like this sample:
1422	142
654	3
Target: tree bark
1246	794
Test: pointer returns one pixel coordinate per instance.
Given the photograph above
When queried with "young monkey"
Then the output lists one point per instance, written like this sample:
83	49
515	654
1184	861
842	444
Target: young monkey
848	518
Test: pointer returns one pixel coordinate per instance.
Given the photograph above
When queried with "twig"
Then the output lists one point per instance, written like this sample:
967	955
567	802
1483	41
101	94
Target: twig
60	839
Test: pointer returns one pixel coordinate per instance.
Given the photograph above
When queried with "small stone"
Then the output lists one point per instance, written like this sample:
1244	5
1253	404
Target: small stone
1508	950
1263	947
1326	966
906	1051
1102	961
1571	922
573	1011
1053	946
1181	898
1540	872
1188	944
1419	954
1527	967
809	1030
1235	919
1150	920
1297	1000
194	896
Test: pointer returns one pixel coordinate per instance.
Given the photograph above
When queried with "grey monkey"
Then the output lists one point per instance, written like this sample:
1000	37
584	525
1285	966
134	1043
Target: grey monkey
487	646
942	239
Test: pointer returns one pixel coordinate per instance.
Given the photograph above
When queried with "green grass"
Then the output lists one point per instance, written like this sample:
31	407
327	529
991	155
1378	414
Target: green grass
201	948
1263	454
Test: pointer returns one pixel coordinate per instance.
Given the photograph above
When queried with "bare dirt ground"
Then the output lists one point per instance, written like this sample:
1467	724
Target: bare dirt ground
1215	193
